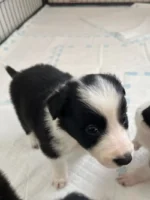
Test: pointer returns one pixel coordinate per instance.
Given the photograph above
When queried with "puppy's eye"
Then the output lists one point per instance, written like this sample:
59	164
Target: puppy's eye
92	130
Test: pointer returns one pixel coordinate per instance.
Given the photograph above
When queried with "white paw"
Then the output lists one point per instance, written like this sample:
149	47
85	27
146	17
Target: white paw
127	180
33	141
35	146
59	183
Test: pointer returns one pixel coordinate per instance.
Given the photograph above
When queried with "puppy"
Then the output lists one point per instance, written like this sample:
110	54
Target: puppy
59	112
6	190
75	196
142	119
8	193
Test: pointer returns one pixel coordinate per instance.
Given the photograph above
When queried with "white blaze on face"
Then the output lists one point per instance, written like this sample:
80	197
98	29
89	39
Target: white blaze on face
103	98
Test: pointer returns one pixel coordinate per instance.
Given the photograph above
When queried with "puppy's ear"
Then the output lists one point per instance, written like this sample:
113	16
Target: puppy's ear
56	101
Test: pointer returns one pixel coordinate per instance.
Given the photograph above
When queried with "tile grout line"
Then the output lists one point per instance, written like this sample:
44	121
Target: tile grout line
101	52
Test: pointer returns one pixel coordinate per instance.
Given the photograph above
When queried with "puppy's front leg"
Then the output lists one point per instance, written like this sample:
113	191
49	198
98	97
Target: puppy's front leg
140	175
60	175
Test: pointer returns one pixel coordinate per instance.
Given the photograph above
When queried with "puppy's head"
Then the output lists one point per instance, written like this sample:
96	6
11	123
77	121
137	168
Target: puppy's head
142	116
94	113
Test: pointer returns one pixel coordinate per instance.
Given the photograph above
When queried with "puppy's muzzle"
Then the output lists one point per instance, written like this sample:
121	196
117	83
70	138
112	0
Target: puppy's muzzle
125	160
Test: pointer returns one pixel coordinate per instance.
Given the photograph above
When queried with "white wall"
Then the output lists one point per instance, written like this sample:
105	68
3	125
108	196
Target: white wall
14	12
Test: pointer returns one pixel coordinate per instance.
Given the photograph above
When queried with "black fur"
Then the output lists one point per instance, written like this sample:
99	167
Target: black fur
8	193
146	115
35	88
6	190
30	91
77	120
75	196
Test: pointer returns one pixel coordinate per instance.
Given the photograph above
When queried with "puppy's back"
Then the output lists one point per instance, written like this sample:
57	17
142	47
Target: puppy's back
37	82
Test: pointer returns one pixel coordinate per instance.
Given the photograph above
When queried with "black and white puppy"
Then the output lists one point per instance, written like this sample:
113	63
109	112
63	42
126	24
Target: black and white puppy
75	196
6	190
60	112
142	120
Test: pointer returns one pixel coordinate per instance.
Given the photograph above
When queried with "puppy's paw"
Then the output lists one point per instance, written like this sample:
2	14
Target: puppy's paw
33	141
127	180
59	183
35	146
60	173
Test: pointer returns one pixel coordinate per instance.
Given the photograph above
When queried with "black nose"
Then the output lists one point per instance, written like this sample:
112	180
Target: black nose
125	160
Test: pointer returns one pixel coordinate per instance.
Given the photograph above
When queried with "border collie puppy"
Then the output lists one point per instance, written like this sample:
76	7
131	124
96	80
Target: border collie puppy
6	190
141	174
8	193
75	196
59	112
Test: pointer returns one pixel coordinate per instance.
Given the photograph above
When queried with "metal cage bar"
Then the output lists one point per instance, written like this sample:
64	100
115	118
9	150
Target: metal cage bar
13	13
94	2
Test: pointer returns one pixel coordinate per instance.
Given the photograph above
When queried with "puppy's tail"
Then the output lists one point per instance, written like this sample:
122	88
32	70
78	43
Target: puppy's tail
11	71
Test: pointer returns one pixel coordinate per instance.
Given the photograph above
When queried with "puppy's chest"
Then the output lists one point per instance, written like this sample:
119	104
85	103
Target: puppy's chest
63	142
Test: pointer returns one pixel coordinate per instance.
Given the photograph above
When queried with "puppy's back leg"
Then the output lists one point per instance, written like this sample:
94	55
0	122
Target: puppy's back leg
26	127
33	140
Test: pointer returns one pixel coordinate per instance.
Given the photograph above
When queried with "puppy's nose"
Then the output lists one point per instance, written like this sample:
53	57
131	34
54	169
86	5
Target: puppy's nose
125	160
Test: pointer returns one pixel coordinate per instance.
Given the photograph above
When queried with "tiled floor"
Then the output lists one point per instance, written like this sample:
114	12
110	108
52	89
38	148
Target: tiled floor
78	40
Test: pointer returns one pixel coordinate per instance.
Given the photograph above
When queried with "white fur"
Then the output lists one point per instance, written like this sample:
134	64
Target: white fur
60	175
104	99
101	96
142	138
63	143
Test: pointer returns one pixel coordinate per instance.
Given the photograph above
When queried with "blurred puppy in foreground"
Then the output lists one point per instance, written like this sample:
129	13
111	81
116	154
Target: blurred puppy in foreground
6	190
8	193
